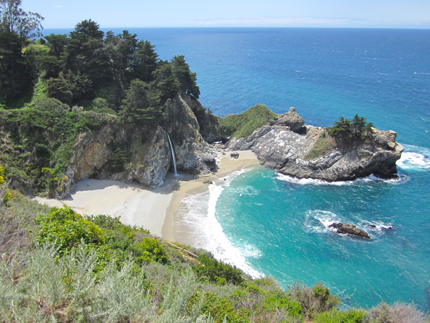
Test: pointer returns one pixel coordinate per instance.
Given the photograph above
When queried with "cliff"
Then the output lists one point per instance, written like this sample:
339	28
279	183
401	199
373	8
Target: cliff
144	155
48	151
303	151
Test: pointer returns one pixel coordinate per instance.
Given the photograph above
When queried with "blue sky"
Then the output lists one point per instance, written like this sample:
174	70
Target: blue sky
234	13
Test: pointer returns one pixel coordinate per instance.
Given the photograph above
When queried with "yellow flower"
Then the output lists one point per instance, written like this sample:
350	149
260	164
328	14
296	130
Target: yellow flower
1	177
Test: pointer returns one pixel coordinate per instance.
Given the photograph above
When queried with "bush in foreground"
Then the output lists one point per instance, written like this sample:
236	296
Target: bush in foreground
94	274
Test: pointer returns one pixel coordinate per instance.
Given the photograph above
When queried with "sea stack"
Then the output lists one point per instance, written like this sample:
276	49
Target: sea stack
348	228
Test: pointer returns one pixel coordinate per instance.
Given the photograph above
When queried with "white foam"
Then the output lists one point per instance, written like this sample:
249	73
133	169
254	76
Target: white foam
201	214
414	157
379	226
402	178
310	181
371	178
319	220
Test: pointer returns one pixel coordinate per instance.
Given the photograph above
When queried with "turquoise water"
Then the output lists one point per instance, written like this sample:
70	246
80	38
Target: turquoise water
285	223
273	225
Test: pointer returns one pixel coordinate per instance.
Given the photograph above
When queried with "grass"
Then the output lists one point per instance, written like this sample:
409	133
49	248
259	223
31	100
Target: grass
244	124
323	144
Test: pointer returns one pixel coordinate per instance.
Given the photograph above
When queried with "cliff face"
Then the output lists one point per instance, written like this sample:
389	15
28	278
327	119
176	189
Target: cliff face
308	152
191	151
146	156
122	152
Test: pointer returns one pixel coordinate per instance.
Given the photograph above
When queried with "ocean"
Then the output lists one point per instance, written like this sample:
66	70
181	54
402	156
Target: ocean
273	225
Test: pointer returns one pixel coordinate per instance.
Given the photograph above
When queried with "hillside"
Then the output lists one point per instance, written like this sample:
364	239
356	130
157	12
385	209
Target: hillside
70	269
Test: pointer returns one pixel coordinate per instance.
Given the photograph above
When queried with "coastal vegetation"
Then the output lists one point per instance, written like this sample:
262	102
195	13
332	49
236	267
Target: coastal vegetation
357	129
57	265
323	144
343	131
242	125
55	88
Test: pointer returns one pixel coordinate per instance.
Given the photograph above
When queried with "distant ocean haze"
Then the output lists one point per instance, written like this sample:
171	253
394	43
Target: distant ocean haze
270	224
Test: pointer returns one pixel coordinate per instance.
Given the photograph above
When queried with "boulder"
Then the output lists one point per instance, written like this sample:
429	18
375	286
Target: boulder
234	155
382	227
291	119
348	228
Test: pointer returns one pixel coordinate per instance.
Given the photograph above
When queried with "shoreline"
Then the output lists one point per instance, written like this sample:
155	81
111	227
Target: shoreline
154	209
227	165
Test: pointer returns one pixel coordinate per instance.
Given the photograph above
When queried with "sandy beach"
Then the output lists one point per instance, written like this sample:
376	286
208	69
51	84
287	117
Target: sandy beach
152	209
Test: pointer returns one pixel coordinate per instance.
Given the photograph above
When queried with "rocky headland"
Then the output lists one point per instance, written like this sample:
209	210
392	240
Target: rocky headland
293	148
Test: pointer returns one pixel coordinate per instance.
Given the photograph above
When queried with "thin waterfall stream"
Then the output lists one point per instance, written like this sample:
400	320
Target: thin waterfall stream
173	154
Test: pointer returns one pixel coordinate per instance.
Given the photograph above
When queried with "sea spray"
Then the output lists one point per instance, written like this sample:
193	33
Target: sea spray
415	158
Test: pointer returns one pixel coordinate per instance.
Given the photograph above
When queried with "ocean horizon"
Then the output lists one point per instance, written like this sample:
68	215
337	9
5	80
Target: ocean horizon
274	225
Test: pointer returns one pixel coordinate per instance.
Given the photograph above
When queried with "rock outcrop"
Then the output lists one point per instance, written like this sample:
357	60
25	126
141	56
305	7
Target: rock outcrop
314	154
121	152
291	119
348	228
192	153
147	154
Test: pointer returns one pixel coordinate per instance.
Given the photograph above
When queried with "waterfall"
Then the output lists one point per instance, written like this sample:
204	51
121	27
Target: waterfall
173	154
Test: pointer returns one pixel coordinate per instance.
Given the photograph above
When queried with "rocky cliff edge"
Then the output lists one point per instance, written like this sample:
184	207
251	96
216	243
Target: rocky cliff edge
303	151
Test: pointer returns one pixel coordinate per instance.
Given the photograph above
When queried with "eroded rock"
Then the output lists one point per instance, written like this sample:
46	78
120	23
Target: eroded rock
314	154
291	119
348	228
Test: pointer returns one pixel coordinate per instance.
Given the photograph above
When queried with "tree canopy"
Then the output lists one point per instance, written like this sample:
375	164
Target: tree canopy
358	128
16	26
85	67
141	104
15	20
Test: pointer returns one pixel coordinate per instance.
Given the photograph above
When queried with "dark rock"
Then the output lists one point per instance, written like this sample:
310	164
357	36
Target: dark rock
348	228
382	227
234	155
291	119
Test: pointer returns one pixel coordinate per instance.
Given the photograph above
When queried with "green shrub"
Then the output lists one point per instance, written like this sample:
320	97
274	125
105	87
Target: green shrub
1	175
334	316
214	270
152	251
66	229
221	308
292	307
313	300
254	289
